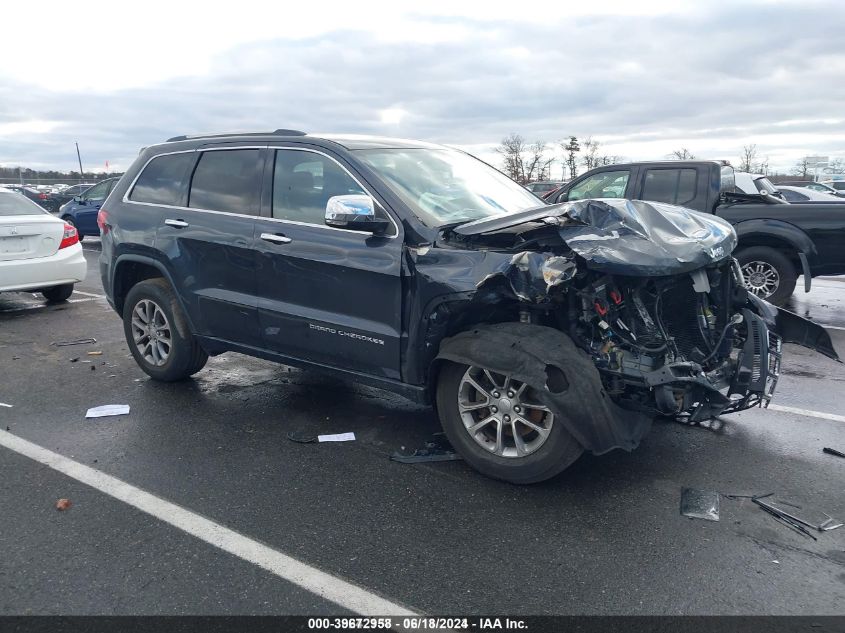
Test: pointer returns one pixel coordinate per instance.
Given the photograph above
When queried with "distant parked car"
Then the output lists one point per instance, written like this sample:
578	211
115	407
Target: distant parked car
69	193
543	186
839	185
41	198
81	212
38	252
815	186
805	194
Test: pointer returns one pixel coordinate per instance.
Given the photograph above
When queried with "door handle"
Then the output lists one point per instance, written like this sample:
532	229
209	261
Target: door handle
276	239
179	224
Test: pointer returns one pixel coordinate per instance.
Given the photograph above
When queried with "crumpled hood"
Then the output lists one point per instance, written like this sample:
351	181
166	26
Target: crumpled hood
629	237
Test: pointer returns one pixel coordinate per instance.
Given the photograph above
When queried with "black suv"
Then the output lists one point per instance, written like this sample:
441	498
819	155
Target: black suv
537	331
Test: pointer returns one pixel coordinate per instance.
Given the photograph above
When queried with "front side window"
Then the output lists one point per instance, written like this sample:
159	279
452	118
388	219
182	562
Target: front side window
227	180
608	184
673	186
98	192
303	182
446	186
162	180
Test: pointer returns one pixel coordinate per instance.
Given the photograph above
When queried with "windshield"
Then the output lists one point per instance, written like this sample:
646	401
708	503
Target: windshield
445	186
15	204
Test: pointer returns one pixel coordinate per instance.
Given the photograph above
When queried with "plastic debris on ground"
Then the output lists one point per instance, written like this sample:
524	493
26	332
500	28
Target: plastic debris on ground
700	504
63	504
107	410
437	449
794	523
8	406
80	341
311	439
832	451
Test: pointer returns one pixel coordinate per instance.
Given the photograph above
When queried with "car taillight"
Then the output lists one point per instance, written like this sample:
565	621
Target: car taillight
103	221
69	237
43	196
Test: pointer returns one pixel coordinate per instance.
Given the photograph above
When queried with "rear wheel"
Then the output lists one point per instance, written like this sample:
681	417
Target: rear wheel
57	294
500	427
768	273
157	332
70	221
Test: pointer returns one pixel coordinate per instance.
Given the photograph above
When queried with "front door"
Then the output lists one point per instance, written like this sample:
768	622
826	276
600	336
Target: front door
327	295
85	217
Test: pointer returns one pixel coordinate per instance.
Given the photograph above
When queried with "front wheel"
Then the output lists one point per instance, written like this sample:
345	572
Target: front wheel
499	426
768	273
157	332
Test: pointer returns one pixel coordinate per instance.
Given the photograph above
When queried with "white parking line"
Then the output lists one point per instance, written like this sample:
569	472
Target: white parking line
329	587
45	305
809	412
89	294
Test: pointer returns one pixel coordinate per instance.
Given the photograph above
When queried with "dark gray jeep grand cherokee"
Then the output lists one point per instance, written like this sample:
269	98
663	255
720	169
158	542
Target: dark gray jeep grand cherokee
537	331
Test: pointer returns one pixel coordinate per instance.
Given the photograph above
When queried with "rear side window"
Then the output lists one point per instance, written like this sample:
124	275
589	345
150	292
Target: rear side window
227	180
675	186
162	178
793	196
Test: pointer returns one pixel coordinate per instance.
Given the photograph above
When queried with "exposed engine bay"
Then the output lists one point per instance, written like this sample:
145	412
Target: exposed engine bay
683	346
648	291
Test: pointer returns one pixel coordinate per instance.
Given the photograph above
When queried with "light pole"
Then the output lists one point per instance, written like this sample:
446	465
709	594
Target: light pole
79	158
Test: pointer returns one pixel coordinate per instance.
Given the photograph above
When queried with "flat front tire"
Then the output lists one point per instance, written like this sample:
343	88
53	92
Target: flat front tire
157	332
500	428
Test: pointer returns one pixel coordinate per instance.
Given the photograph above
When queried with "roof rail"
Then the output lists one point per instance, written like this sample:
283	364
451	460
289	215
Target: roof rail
279	132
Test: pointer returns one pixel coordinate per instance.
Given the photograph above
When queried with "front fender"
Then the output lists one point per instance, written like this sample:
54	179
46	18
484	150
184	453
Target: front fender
769	228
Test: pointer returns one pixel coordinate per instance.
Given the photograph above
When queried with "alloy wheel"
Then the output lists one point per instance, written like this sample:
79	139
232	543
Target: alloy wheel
501	414
151	332
761	278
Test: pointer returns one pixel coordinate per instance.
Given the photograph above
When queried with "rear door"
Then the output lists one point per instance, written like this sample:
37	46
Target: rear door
208	242
326	295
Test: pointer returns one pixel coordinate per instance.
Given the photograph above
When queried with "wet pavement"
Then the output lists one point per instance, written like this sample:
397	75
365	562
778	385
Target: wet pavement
606	537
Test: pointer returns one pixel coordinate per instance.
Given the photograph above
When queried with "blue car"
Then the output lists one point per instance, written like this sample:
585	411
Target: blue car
82	211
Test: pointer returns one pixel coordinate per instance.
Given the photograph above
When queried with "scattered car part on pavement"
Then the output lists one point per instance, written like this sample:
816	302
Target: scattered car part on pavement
81	341
437	449
107	410
700	504
783	518
832	451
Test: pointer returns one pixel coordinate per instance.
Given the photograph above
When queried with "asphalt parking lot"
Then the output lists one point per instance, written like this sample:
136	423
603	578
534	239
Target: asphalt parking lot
606	537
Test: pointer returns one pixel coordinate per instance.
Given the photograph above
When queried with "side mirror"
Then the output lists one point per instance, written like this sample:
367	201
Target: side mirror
356	213
81	200
563	196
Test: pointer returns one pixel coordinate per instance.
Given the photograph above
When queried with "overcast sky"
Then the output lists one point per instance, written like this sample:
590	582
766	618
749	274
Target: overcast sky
644	78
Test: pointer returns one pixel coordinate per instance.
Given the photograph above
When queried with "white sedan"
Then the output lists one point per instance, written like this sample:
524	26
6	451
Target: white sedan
38	251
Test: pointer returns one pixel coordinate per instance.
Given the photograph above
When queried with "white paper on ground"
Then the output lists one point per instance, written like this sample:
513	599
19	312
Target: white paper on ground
107	409
337	437
3	404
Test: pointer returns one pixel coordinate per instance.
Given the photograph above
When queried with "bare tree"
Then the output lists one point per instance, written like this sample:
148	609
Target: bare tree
682	154
511	149
749	155
571	148
537	165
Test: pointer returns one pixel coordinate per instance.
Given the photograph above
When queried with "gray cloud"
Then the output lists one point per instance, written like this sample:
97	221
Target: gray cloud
703	80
